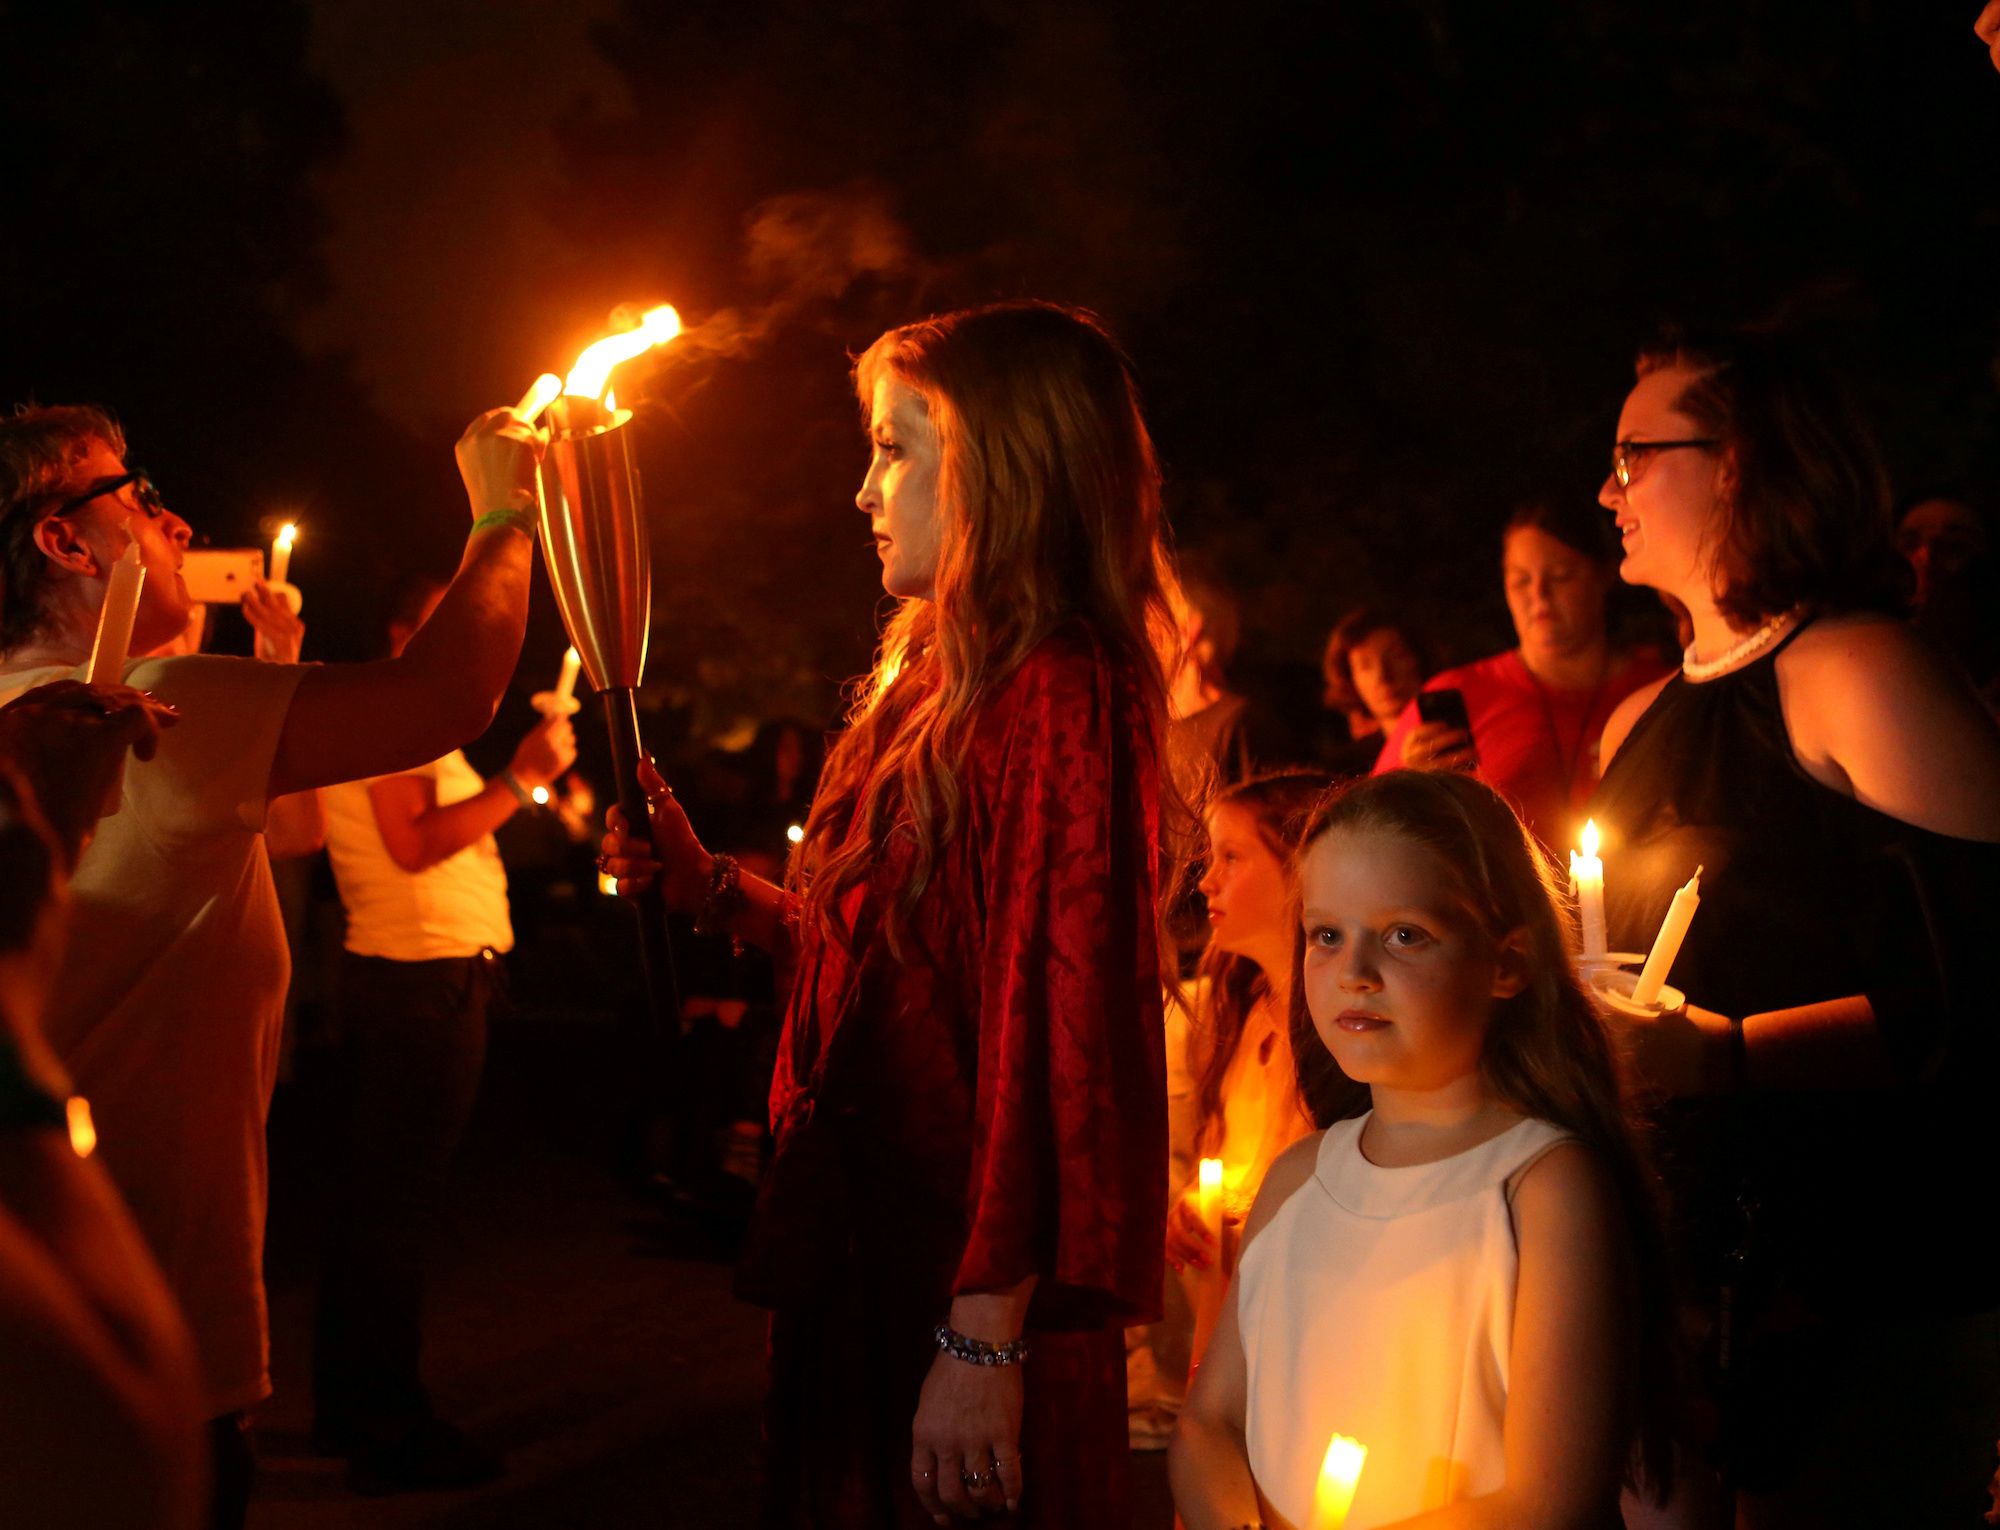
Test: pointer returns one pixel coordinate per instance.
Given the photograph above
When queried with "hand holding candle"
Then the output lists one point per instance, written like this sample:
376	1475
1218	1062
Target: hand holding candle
1339	1475
1586	873
1673	930
115	617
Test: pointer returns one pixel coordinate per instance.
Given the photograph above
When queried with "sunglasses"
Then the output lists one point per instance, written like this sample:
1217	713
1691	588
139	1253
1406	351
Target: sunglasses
144	491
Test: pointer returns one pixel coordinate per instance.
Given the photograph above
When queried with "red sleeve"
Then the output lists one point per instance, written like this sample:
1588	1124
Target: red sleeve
1070	1142
1391	757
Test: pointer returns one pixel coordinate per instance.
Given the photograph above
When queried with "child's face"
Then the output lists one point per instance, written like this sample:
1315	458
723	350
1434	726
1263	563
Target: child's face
1244	885
1399	979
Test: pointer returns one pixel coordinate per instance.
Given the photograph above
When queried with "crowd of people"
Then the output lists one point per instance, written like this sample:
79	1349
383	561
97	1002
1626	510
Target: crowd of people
1064	917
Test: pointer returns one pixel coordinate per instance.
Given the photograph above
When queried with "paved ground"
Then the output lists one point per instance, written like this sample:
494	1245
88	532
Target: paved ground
572	1325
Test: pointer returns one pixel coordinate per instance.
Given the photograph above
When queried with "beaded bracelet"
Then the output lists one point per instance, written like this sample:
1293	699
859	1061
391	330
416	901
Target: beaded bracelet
725	896
510	520
977	1351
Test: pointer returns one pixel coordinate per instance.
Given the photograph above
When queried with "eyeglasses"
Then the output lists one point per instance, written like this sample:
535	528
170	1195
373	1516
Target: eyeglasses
1628	456
145	492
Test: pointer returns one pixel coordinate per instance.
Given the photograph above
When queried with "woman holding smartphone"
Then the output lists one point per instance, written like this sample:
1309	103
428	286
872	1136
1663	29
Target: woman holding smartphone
1527	721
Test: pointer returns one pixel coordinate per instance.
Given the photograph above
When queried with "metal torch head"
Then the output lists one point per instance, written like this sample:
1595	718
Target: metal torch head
595	540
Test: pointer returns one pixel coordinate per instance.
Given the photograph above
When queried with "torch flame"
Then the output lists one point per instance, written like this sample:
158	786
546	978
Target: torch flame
593	368
1590	836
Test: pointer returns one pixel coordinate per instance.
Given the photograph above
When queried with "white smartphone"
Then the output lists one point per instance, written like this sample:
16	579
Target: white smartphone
218	576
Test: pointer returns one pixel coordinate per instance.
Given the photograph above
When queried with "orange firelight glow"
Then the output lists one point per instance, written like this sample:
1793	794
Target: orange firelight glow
587	379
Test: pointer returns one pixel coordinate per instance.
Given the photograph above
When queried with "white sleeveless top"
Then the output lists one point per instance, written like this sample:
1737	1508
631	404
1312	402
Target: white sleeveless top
1379	1304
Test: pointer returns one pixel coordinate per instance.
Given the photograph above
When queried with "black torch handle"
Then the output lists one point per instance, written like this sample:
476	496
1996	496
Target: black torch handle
656	955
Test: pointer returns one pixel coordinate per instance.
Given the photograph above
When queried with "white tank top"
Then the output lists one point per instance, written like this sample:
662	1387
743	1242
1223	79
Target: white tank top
1379	1304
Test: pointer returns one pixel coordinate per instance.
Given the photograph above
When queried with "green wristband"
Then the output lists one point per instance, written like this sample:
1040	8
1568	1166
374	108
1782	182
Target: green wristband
512	520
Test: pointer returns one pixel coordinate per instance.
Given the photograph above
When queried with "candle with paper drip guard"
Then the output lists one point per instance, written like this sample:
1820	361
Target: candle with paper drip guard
122	588
561	702
1339	1475
1586	875
1673	930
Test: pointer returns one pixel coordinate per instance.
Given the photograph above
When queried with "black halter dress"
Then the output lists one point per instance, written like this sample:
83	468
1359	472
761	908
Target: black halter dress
1865	1199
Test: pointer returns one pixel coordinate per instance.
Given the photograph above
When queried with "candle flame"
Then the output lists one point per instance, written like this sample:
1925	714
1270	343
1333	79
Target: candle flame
796	833
288	535
587	379
1211	1174
1590	836
82	1130
607	884
541	796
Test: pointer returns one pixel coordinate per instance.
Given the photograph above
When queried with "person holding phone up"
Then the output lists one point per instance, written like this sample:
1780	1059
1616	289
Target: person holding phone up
1527	721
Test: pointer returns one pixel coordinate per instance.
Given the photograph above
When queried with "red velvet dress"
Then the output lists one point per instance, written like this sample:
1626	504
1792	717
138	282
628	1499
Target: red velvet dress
990	1105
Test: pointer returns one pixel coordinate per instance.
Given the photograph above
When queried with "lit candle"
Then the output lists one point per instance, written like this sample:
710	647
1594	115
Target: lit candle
1586	873
566	684
281	554
1210	1197
541	796
82	1130
1660	961
607	884
796	833
1338	1475
114	618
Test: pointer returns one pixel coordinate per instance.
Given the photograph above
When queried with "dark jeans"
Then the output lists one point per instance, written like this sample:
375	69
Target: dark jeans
232	1467
412	1045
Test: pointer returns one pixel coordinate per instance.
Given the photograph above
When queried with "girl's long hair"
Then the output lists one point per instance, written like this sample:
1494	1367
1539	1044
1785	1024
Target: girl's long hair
1233	985
1547	1052
1048	505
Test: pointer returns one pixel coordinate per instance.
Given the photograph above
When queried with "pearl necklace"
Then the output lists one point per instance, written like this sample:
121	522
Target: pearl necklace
1738	653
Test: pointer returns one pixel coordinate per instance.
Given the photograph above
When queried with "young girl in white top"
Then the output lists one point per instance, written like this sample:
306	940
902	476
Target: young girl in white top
1461	1271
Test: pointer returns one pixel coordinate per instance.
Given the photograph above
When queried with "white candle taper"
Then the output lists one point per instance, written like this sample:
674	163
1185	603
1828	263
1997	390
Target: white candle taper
1673	930
281	554
566	683
541	393
114	619
1587	872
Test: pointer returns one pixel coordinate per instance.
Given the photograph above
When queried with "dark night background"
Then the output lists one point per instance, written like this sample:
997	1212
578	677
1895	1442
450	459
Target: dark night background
1381	264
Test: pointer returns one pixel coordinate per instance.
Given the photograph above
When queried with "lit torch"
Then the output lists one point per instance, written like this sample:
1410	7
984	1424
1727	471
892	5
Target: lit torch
600	565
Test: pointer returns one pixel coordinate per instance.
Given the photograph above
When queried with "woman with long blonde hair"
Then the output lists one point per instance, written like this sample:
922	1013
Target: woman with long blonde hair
967	1199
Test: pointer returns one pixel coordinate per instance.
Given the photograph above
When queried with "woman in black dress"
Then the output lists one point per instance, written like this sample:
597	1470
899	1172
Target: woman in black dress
1829	1138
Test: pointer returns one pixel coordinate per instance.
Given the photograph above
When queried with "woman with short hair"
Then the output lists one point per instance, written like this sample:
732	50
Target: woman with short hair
1536	711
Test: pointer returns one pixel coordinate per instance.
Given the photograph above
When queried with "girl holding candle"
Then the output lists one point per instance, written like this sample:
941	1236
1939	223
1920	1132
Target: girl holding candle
1232	1091
1841	787
967	1198
1461	1272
